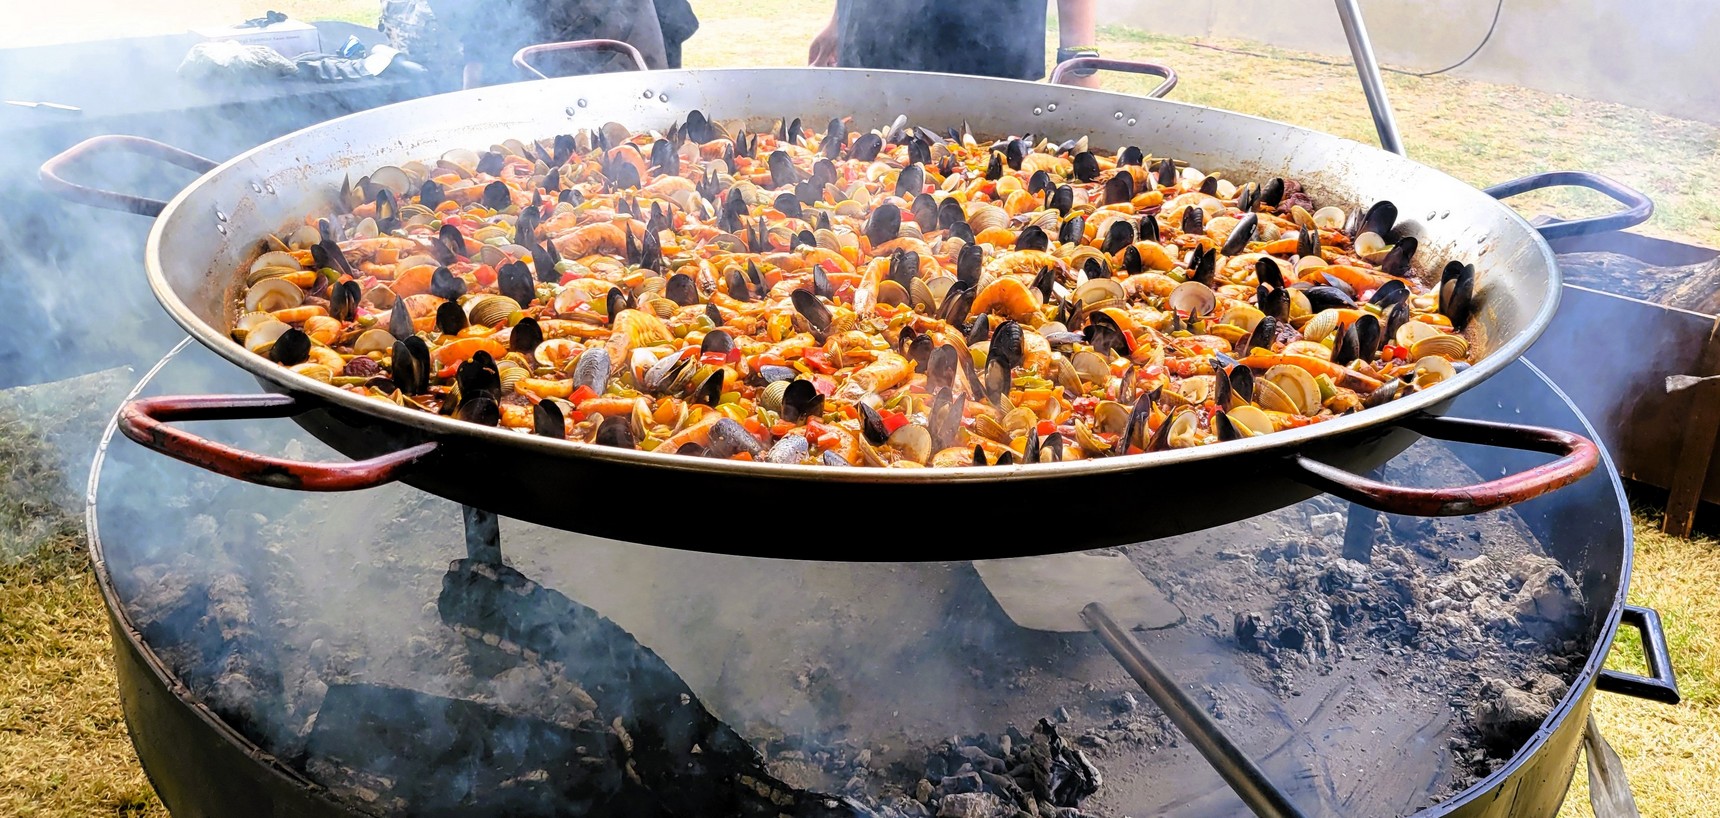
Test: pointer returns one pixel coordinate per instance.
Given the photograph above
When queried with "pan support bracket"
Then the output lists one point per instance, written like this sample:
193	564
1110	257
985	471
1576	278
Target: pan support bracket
1360	525
483	535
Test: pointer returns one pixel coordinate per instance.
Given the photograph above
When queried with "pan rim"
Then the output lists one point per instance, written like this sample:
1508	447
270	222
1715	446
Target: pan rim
1287	442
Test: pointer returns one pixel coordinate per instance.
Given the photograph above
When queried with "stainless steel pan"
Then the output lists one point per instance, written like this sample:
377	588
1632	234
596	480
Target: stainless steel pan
208	230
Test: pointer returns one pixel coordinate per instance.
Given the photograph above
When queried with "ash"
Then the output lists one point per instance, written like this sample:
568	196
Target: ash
336	634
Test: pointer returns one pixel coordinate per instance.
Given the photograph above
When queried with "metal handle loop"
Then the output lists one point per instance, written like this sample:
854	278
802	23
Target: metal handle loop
1577	457
1638	207
55	183
1067	67
1661	685
522	57
145	421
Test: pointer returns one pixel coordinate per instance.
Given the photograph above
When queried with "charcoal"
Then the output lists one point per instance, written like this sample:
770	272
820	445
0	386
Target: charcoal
1060	772
693	762
974	805
443	754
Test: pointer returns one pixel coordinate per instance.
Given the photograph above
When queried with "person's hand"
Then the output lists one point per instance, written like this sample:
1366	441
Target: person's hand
823	50
1089	81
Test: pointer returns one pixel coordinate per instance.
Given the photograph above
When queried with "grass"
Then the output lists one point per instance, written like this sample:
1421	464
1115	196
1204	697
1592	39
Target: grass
1672	754
62	737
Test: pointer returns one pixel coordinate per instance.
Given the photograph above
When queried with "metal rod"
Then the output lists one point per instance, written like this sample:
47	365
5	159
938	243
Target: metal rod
1239	771
1368	70
483	535
1359	526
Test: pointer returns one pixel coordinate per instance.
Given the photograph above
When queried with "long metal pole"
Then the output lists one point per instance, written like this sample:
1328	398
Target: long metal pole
1368	70
1257	792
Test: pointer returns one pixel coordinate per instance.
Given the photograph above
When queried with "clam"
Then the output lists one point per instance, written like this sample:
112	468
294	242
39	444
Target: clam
988	427
1297	385
1413	331
417	260
1097	293
939	286
729	242
663	307
491	232
304	237
1192	298
490	310
248	322
1092	367
890	292
1242	316
1195	390
987	217
1046	220
262	336
920	295
380	297
1323	323
1090	442
1370	247
273	294
1020	419
511	373
373	340
1304	263
1268	395
827	240
1330	218
1441	344
909	230
1184	430
1111	417
314	371
1250	421
771	397
1431	370
914	442
277	258
466	160
388	176
261	273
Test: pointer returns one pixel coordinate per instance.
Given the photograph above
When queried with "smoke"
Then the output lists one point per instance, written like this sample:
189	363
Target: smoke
271	604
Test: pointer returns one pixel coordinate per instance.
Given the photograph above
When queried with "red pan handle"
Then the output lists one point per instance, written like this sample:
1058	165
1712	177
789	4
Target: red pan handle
145	420
1067	67
1577	457
522	57
56	184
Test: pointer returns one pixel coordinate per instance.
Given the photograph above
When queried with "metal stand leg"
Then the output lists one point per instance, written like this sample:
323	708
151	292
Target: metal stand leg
1362	51
483	535
1360	525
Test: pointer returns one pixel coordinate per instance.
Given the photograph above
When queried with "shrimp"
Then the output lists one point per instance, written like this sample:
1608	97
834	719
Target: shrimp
664	187
1007	297
379	249
889	370
1036	353
602	237
1359	279
1341	375
1154	284
699	431
1025	263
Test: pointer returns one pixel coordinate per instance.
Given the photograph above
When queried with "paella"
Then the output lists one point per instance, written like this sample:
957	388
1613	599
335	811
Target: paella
895	297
